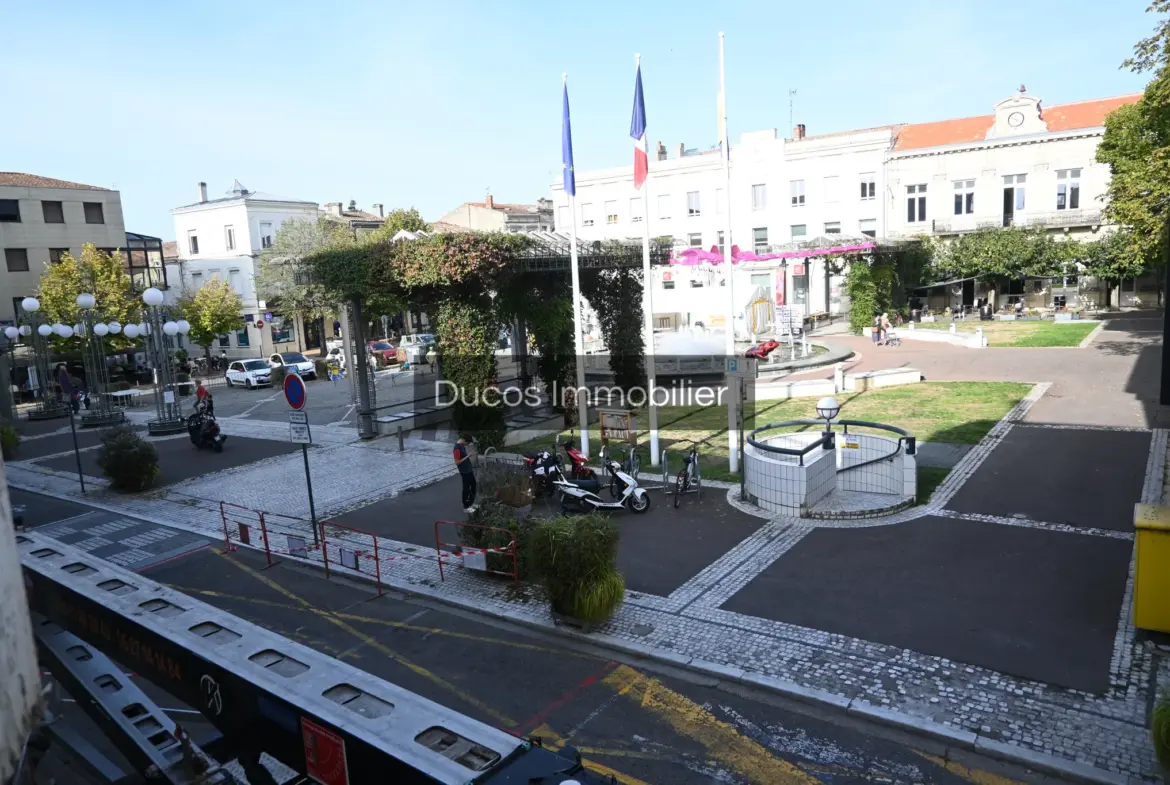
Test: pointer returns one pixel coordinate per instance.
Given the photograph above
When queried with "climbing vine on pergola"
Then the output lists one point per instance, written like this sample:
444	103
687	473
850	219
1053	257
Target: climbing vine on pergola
478	283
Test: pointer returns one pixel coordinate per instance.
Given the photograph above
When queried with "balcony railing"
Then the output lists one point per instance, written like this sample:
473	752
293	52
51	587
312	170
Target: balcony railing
960	224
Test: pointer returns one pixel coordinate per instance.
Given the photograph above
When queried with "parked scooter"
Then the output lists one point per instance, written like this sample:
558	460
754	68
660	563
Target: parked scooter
579	469
543	465
204	430
574	496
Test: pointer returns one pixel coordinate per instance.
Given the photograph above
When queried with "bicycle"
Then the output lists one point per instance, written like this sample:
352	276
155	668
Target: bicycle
687	475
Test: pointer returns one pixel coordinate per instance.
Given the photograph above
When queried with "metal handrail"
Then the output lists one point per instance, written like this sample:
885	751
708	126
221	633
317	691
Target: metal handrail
826	439
905	438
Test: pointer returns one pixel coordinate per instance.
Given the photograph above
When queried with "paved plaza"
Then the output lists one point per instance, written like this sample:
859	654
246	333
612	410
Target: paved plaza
995	617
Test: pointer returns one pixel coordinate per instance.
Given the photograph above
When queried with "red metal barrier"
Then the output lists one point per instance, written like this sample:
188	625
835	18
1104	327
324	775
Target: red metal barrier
462	552
273	533
238	524
358	551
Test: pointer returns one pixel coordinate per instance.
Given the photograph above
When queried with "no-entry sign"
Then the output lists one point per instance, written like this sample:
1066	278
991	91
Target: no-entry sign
294	391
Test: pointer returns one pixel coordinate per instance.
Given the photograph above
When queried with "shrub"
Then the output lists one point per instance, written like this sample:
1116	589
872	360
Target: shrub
1160	730
128	461
502	517
9	441
576	557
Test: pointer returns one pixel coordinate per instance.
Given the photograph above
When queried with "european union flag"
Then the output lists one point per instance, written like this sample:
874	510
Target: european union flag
567	149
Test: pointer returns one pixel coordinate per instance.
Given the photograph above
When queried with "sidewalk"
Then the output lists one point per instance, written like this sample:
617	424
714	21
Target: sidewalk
1097	735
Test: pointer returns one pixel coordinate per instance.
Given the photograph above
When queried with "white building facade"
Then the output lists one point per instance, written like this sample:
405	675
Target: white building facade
854	185
41	218
221	239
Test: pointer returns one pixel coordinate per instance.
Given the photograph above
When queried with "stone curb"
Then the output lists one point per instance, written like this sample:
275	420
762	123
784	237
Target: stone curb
1092	336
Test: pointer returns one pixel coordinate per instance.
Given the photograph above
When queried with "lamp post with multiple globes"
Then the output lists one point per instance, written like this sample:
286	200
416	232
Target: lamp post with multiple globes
92	333
158	331
49	405
9	337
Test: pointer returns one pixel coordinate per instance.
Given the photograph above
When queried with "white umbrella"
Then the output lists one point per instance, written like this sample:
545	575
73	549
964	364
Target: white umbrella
760	311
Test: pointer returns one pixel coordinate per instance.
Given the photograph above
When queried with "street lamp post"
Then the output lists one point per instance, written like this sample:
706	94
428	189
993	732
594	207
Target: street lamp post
49	404
8	339
827	410
93	357
157	330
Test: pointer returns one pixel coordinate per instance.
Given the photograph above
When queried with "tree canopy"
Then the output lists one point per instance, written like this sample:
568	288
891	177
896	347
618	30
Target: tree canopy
1136	146
212	311
399	219
96	272
277	272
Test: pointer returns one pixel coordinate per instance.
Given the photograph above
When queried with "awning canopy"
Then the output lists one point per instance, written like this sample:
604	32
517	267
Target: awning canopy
818	246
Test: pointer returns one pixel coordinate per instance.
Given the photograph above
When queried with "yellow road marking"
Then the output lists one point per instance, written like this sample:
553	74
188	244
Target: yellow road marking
375	644
722	740
978	776
553	740
396	624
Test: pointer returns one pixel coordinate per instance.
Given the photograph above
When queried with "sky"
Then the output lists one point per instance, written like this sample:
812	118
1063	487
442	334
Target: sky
435	104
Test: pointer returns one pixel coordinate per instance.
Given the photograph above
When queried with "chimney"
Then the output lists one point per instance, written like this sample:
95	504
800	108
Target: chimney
680	148
487	202
378	209
798	132
333	208
661	151
202	192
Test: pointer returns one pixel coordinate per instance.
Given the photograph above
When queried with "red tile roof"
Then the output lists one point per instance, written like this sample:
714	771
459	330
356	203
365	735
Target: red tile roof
171	249
36	181
1063	117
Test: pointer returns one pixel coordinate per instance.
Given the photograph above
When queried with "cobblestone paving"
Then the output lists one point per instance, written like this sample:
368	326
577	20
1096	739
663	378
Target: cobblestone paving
1098	736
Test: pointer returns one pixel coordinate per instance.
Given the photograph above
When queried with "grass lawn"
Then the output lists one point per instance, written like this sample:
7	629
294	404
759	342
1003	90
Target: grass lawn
959	412
929	478
1018	334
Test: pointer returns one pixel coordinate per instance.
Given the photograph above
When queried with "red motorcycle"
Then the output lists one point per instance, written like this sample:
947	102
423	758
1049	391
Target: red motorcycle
578	470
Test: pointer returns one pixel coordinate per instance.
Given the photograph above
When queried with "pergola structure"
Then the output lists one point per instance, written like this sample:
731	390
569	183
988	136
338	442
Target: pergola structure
144	261
551	252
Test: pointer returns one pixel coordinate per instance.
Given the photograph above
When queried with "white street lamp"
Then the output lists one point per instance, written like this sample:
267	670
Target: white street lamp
184	326
45	330
152	297
115	328
66	331
25	330
101	330
827	409
144	328
30	304
130	331
11	333
85	301
170	328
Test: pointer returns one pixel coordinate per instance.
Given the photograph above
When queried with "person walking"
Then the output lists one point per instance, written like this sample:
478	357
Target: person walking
466	474
885	324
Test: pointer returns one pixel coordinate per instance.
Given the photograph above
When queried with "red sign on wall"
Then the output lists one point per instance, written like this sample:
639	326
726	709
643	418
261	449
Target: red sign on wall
324	754
666	275
798	269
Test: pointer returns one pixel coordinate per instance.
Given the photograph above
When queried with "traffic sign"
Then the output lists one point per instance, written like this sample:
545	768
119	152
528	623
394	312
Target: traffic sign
299	433
299	418
744	367
324	754
294	391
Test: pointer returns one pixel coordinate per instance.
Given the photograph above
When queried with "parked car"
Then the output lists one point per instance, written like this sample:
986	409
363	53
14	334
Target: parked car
413	348
296	362
385	349
249	373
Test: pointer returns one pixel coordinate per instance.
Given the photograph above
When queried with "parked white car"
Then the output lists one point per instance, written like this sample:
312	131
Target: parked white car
248	373
413	348
294	361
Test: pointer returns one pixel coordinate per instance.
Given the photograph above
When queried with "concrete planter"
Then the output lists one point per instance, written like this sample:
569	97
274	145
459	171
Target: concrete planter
1067	317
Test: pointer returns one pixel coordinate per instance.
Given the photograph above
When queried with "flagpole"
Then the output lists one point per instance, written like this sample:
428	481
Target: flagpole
732	383
648	296
578	337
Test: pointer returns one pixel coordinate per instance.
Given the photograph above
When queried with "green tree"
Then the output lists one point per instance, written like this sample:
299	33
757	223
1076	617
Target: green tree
96	272
212	311
279	276
1136	145
399	219
1010	252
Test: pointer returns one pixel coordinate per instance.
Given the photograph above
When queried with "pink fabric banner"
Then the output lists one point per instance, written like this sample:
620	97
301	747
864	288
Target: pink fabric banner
694	256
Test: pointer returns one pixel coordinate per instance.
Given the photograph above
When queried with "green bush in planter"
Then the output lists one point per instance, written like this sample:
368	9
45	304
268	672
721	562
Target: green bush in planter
1160	730
576	558
505	527
128	461
9	441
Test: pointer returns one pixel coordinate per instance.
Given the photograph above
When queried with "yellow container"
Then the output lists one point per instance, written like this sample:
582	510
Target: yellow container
1151	585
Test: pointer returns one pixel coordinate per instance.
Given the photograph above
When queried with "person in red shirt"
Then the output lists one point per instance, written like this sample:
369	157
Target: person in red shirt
203	398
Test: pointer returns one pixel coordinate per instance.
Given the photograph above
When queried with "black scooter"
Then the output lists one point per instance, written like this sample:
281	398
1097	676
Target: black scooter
204	430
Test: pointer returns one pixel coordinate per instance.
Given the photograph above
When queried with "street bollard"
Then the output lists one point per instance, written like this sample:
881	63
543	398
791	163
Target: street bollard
401	446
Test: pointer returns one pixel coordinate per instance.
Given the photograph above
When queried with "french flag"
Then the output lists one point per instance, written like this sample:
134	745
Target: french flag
638	132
